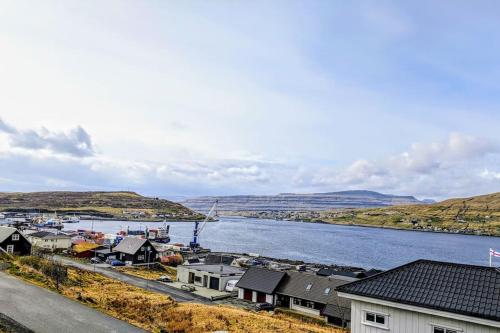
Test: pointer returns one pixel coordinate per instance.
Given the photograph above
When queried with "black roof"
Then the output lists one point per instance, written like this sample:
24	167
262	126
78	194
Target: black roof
260	279
457	288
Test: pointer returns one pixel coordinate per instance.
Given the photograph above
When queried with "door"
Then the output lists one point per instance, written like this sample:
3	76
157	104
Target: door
191	277
247	294
205	281
261	297
214	283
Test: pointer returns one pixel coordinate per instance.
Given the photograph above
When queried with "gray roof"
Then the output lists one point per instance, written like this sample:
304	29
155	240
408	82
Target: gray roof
457	288
130	245
215	269
341	309
260	279
295	285
48	235
5	232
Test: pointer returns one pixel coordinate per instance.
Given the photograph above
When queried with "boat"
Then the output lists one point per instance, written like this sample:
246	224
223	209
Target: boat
71	219
159	235
53	223
2	216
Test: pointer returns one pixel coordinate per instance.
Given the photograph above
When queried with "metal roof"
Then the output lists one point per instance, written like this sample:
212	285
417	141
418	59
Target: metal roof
130	245
260	279
457	288
47	235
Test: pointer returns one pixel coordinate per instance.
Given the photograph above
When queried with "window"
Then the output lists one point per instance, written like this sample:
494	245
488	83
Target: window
376	319
309	286
140	257
327	291
15	237
142	249
441	329
10	248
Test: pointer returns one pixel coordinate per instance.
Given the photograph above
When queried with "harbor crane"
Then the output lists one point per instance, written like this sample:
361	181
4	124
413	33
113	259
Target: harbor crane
198	228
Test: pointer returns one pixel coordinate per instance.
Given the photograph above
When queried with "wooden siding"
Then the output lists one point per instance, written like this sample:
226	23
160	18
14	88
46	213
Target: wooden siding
403	321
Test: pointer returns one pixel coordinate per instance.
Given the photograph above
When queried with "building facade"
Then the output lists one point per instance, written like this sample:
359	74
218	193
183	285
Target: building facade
50	241
208	276
426	297
136	251
13	242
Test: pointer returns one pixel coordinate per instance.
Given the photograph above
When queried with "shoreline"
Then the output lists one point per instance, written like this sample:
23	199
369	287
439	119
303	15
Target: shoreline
368	226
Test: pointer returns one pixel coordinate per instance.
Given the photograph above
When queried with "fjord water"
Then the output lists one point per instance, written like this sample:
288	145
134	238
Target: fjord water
321	243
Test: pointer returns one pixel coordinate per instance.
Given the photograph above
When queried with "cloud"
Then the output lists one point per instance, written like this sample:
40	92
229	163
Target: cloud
438	169
75	142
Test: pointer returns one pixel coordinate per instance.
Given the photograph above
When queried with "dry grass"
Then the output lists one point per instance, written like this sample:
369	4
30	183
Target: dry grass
143	272
157	312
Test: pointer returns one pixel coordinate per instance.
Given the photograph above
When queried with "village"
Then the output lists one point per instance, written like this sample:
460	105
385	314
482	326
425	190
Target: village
344	297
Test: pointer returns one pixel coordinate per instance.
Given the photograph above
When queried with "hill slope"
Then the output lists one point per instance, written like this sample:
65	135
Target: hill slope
127	205
480	215
291	202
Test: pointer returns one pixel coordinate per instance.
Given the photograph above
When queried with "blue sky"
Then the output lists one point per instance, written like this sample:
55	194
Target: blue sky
228	97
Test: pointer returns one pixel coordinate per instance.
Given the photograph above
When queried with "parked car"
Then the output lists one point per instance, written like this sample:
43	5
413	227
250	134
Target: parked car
164	278
231	285
117	263
187	287
95	261
264	307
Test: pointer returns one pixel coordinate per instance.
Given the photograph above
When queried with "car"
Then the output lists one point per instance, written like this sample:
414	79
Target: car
231	285
164	278
117	263
187	287
95	261
264	307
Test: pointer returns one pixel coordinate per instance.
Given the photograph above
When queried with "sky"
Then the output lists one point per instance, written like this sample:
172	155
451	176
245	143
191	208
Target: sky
188	98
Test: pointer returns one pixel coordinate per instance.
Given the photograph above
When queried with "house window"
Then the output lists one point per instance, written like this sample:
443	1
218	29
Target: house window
327	291
10	248
142	249
140	257
15	237
376	319
309	286
441	329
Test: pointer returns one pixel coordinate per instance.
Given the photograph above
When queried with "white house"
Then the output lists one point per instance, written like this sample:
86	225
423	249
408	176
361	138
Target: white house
426	297
208	276
50	241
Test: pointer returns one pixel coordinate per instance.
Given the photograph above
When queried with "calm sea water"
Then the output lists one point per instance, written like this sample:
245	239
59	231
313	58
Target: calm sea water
322	243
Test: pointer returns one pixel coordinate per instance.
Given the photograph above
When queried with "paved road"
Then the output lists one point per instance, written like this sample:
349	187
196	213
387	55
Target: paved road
44	311
176	294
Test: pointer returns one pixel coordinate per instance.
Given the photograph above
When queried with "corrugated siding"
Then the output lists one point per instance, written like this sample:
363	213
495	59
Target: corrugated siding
403	321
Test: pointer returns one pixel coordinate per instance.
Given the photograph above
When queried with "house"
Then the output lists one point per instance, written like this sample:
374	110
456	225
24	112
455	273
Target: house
135	251
426	297
85	249
218	259
314	295
208	276
259	285
49	240
13	242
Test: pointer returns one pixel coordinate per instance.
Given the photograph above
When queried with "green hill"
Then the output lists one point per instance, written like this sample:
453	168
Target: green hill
127	205
475	215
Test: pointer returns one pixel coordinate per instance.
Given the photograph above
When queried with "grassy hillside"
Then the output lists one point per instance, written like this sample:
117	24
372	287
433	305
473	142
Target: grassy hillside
479	215
128	205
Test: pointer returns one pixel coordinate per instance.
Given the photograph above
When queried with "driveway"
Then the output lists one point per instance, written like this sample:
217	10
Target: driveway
159	287
44	311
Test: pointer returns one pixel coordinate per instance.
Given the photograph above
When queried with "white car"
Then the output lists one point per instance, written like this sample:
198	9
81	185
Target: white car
231	285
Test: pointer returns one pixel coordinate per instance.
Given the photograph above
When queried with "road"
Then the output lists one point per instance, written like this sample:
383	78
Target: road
44	311
176	294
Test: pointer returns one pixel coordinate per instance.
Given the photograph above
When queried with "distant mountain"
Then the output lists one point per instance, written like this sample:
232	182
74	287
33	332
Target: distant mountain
127	205
474	215
298	202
